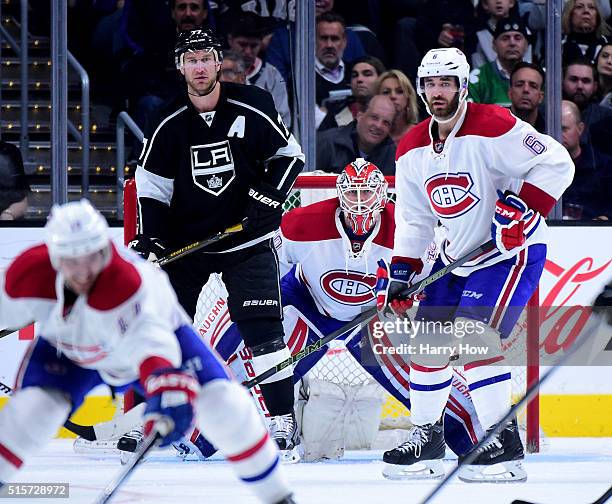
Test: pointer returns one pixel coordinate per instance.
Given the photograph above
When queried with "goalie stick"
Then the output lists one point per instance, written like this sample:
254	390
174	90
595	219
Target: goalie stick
369	314
529	395
85	431
173	256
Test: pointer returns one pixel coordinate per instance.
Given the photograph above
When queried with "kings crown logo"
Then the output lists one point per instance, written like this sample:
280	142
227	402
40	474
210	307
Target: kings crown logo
214	182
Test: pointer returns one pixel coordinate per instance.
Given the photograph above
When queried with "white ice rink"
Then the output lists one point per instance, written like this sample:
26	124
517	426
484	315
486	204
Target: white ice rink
567	471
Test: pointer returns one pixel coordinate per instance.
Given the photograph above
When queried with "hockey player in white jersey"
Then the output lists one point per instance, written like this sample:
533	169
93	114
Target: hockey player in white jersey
108	317
332	248
483	173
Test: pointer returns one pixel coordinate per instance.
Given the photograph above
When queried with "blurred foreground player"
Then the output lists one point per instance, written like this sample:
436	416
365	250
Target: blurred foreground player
483	173
108	317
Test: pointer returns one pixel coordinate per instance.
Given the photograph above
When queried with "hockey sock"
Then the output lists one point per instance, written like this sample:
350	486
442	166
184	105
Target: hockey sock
278	389
279	396
429	389
29	420
227	417
490	389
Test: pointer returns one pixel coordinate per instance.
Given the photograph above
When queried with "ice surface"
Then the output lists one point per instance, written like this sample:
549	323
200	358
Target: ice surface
568	471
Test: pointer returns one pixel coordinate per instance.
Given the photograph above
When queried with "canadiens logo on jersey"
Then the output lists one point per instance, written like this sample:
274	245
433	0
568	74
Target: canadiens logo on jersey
451	194
349	288
212	166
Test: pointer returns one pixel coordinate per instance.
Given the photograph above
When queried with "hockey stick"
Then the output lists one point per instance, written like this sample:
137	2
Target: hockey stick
173	256
604	498
366	316
195	246
85	431
531	393
149	442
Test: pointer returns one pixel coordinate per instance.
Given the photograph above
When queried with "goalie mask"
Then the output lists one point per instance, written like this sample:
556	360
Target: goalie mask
197	40
442	63
362	191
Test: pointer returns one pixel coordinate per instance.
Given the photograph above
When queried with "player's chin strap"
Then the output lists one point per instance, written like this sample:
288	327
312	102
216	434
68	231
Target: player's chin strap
201	95
369	314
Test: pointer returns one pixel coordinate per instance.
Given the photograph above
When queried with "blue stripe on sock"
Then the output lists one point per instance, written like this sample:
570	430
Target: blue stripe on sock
262	475
426	388
489	381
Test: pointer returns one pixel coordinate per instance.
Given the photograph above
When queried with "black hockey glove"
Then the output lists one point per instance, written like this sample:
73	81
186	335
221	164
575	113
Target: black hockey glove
264	208
150	249
603	304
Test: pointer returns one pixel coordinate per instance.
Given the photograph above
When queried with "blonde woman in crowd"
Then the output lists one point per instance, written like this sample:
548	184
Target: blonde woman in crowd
398	88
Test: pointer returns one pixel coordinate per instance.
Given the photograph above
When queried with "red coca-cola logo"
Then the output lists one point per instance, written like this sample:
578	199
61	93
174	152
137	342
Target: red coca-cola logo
569	319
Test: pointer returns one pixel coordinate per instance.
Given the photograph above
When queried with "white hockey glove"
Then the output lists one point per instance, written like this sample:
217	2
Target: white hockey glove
150	249
508	226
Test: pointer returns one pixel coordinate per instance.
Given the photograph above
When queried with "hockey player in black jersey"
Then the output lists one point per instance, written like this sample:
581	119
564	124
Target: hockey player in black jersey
220	155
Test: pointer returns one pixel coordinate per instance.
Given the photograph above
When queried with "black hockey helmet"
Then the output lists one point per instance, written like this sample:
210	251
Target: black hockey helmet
197	40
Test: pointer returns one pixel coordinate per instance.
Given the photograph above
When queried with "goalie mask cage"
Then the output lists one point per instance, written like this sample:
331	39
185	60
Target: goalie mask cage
338	366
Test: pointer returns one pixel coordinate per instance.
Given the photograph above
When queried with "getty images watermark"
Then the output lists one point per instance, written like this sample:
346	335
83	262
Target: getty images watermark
403	336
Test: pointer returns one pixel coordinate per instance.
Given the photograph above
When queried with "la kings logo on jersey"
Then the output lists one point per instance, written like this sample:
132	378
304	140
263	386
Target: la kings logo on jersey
212	166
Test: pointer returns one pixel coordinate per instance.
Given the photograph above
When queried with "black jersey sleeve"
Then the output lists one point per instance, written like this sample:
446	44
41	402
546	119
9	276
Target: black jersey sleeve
283	157
155	178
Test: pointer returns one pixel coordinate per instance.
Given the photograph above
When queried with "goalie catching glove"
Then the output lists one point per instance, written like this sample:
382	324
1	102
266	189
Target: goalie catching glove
150	249
170	394
508	227
391	279
264	209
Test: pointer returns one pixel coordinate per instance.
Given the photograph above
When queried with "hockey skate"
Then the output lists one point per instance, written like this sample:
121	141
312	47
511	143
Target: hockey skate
284	430
498	461
420	457
128	443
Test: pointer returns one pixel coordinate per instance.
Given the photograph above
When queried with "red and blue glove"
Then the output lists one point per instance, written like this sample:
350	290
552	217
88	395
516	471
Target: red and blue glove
391	279
170	393
508	227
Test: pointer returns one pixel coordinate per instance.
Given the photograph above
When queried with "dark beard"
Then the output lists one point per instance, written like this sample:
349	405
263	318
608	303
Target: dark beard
451	109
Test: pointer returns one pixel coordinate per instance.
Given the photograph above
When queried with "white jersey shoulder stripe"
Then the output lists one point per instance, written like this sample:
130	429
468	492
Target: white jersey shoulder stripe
150	144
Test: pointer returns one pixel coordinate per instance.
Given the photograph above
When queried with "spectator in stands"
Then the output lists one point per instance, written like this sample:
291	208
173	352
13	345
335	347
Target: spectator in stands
590	194
188	14
245	37
233	68
496	11
367	137
364	73
526	93
278	53
14	187
579	85
584	30
604	69
329	50
150	75
490	82
395	85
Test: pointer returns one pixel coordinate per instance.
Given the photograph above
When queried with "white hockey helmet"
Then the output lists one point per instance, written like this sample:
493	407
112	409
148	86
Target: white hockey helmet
362	191
441	62
75	229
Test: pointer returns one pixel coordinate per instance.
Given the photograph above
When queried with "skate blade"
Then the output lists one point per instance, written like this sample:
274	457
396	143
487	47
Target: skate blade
428	469
84	447
504	472
292	456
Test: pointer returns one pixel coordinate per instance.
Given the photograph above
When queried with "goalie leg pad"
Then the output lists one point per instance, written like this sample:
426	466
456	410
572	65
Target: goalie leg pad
227	417
29	420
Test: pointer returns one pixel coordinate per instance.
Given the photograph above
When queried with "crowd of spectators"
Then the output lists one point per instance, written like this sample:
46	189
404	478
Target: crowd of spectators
366	59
